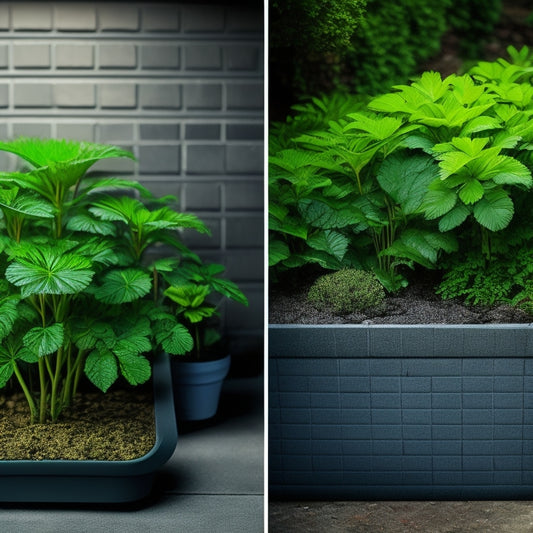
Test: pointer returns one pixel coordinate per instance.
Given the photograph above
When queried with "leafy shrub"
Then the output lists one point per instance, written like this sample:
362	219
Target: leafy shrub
79	294
347	291
399	181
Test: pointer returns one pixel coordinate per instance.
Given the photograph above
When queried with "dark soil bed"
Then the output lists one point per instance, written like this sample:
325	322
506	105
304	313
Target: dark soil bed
115	426
416	304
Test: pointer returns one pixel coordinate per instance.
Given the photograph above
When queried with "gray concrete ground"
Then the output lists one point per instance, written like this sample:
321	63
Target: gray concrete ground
401	517
213	482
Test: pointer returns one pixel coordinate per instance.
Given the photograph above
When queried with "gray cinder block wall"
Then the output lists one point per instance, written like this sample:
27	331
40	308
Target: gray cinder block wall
181	85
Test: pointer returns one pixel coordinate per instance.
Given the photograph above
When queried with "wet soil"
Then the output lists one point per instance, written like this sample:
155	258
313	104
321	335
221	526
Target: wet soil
115	426
416	304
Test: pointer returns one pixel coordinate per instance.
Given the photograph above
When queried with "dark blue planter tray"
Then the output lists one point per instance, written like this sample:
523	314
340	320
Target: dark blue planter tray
65	481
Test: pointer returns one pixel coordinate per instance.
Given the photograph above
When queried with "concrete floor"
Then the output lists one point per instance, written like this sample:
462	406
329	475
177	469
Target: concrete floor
401	517
213	481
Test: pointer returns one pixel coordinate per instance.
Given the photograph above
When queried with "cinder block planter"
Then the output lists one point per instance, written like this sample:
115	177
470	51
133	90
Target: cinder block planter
400	412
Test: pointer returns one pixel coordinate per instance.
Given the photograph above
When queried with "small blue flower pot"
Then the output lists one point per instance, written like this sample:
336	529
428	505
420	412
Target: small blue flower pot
197	386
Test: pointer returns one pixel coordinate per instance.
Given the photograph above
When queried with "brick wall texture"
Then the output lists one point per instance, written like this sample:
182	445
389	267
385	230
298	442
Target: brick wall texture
385	427
181	85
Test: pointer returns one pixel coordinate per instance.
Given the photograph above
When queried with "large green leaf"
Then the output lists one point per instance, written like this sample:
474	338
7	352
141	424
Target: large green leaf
324	216
277	251
174	338
471	191
8	314
495	210
44	341
25	203
454	218
405	178
438	201
45	270
135	368
86	223
6	367
101	368
121	286
329	241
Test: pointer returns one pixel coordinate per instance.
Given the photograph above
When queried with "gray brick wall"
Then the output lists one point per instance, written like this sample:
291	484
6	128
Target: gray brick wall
181	84
348	425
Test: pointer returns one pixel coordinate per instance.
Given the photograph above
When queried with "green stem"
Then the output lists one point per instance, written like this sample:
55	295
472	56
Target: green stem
27	393
55	406
42	381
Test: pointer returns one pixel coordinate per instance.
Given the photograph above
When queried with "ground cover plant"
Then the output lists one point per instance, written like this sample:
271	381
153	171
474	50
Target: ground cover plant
82	291
430	173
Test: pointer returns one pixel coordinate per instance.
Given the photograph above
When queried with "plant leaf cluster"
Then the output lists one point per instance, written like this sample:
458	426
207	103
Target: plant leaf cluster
421	171
79	295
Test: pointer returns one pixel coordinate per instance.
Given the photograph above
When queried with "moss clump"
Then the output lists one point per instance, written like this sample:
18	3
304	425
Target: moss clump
347	291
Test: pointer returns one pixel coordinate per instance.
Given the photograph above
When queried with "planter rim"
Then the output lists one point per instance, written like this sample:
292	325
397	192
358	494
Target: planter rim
165	444
523	325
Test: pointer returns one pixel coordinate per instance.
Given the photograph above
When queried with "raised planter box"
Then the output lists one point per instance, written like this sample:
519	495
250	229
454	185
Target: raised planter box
401	412
66	481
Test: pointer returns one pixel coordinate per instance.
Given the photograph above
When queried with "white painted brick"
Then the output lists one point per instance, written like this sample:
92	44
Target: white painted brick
117	95
207	18
33	94
118	17
75	95
72	16
118	56
203	95
160	96
160	17
32	16
31	55
203	57
154	56
74	55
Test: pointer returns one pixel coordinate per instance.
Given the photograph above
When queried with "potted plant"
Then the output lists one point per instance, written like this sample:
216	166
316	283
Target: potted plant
434	175
81	301
199	376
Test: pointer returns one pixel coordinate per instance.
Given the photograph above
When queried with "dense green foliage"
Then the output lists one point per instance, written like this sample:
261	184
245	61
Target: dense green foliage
79	294
321	46
436	167
347	291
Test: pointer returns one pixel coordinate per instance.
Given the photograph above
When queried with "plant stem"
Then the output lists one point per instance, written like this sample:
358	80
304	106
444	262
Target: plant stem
27	393
42	381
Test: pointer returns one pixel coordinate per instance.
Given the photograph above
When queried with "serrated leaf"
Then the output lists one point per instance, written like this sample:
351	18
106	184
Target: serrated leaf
454	218
321	215
48	271
437	202
44	341
135	368
495	210
101	368
175	340
121	286
88	332
25	203
133	344
405	177
329	241
471	191
8	314
84	222
6	371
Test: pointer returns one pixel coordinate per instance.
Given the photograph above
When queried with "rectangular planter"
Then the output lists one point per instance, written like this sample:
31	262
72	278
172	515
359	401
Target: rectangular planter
66	481
401	412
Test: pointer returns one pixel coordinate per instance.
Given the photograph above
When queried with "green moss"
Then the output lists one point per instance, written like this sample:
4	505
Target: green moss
347	291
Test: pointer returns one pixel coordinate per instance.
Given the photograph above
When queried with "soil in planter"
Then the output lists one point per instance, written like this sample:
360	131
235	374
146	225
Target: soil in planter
116	426
416	304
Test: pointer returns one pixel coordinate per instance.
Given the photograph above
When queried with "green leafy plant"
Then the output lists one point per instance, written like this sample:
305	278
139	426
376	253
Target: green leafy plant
190	289
347	291
79	294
